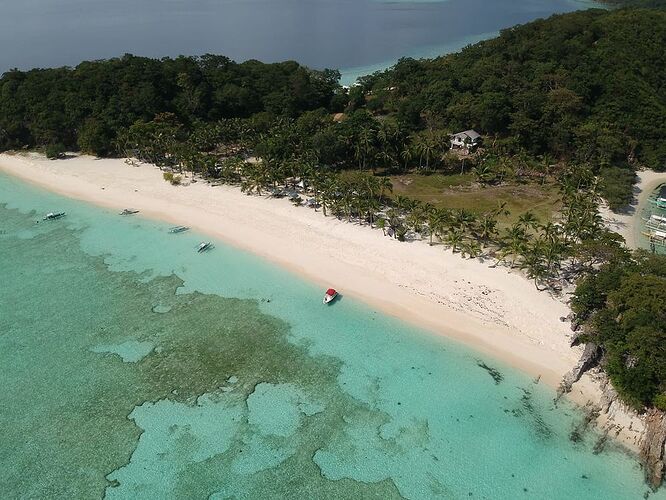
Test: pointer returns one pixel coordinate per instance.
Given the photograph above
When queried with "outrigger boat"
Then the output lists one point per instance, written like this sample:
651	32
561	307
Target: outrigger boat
129	211
54	215
655	222
660	199
178	229
657	238
330	295
204	246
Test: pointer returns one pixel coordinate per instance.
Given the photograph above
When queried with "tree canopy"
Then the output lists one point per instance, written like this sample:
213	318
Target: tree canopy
87	106
587	85
622	304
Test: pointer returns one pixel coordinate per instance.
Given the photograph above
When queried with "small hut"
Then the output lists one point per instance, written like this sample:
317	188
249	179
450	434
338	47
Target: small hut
469	139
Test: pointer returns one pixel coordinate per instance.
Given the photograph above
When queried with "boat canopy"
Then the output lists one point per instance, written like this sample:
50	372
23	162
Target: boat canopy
331	291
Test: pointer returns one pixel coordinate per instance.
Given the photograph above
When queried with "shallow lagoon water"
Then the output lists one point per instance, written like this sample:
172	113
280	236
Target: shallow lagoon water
357	36
136	367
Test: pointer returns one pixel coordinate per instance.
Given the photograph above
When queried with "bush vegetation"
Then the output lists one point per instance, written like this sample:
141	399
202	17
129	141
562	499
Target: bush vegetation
622	304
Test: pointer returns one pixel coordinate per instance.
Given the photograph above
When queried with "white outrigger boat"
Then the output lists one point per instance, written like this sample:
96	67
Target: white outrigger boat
129	211
655	222
204	246
330	295
660	198
54	215
178	229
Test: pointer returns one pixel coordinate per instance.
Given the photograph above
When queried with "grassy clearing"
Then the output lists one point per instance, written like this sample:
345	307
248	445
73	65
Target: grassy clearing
461	191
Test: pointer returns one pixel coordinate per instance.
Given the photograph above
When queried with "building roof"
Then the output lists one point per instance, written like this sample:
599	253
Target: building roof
471	134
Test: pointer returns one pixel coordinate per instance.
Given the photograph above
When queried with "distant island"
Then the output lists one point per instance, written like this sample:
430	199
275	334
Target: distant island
502	151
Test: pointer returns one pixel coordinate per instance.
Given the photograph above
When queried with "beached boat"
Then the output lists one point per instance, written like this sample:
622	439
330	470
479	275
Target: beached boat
178	229
204	246
655	222
54	215
330	295
657	238
660	199
129	211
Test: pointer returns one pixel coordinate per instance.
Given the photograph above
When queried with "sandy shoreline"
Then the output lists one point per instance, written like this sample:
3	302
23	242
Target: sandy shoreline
492	310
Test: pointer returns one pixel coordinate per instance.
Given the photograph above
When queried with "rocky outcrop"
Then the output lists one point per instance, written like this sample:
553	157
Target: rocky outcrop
643	433
653	451
589	359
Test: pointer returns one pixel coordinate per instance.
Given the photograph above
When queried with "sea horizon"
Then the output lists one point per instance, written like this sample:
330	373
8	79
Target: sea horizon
355	38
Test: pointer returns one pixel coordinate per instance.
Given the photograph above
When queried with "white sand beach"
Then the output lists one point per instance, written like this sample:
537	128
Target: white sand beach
494	310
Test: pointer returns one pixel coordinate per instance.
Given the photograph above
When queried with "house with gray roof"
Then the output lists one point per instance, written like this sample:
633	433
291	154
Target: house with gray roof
469	139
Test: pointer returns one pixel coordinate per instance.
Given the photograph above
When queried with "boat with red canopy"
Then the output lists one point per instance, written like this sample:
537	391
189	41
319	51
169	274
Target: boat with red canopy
330	296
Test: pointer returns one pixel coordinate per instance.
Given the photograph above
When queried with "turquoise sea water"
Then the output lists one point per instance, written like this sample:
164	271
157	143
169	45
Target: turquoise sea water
133	367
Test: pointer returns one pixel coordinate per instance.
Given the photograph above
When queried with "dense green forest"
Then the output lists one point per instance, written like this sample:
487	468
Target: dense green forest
622	304
87	106
586	87
647	4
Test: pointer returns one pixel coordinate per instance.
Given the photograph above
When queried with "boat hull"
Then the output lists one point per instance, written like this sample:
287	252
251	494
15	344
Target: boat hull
329	298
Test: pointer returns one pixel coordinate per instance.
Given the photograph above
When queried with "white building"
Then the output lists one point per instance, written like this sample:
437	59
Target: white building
469	139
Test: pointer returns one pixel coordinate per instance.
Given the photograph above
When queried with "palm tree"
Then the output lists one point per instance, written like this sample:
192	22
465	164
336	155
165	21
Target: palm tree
402	203
434	219
328	188
416	219
385	158
545	164
372	206
528	220
255	179
533	263
487	228
470	248
407	154
514	243
463	219
385	186
455	238
427	146
364	145
550	231
387	136
552	251
484	173
381	224
394	221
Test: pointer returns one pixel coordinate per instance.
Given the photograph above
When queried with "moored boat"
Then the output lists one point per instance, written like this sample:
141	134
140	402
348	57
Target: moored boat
178	229
330	296
660	198
129	211
655	222
54	215
656	237
204	246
